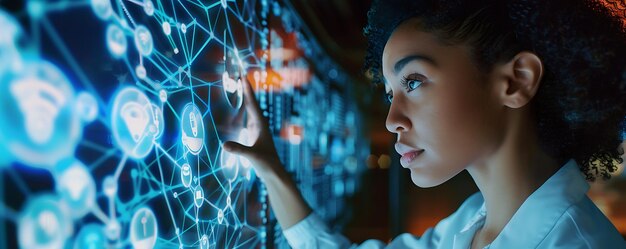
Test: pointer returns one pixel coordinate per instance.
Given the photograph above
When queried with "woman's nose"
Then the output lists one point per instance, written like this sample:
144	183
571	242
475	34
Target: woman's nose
397	121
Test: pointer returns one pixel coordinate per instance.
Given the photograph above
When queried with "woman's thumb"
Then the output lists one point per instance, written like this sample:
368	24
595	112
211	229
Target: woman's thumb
236	148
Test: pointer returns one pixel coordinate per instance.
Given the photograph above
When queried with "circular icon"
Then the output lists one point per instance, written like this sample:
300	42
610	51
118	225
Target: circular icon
140	70
198	196
186	175
86	106
143	40
132	122
148	7
10	58
116	41
229	166
158	121
163	96
220	216
43	224
143	229
233	90
113	229
167	28
37	106
76	186
102	8
91	237
109	186
192	128
204	242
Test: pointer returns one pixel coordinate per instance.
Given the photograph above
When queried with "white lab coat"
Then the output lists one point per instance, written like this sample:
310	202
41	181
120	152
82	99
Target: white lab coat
557	215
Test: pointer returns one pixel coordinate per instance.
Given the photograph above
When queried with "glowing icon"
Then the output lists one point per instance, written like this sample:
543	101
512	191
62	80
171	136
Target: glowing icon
132	122
198	196
76	187
143	229
140	71
10	58
116	41
148	7
91	236
143	40
43	224
233	90
220	216
158	121
192	128
102	8
38	109
40	102
109	186
204	242
186	175
113	229
229	165
183	28
86	106
163	96
167	28
224	4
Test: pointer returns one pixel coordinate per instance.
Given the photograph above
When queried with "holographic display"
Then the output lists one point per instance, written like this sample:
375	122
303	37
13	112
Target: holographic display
112	116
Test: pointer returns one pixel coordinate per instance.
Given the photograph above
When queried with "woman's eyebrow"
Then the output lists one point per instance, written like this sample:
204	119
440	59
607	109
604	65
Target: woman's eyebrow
401	63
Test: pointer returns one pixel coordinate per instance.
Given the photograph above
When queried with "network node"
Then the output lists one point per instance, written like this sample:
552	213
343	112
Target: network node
148	7
158	121
102	8
192	127
140	70
198	196
109	186
86	106
42	224
116	41
131	122
167	28
186	175
233	90
76	187
163	96
143	40
38	109
143	229
91	236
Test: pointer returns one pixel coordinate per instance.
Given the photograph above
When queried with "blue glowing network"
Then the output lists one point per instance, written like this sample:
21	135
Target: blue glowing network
112	116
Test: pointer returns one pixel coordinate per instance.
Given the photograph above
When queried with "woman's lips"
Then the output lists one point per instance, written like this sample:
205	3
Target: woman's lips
409	157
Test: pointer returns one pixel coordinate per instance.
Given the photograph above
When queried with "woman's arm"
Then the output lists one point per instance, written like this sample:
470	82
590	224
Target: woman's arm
284	197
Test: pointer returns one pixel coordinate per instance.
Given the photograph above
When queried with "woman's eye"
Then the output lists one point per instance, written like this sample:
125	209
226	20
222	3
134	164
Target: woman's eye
413	84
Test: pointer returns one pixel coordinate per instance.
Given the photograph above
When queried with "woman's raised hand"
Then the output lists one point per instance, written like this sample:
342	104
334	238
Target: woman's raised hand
262	154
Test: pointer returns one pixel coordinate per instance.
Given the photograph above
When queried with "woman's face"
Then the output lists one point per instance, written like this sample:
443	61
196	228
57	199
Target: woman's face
443	110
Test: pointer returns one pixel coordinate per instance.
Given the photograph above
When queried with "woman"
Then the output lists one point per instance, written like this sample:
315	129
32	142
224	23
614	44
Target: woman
526	95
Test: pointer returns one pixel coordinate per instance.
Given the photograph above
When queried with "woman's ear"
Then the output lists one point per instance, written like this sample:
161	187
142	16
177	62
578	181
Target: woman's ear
519	79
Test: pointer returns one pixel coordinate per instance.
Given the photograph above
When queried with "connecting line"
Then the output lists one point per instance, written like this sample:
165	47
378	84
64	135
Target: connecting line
120	166
158	146
169	208
96	211
130	18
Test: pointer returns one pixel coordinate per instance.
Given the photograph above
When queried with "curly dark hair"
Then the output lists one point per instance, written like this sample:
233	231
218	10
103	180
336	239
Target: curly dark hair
580	106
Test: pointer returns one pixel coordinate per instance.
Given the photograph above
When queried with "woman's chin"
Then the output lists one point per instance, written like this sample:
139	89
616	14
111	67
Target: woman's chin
424	180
